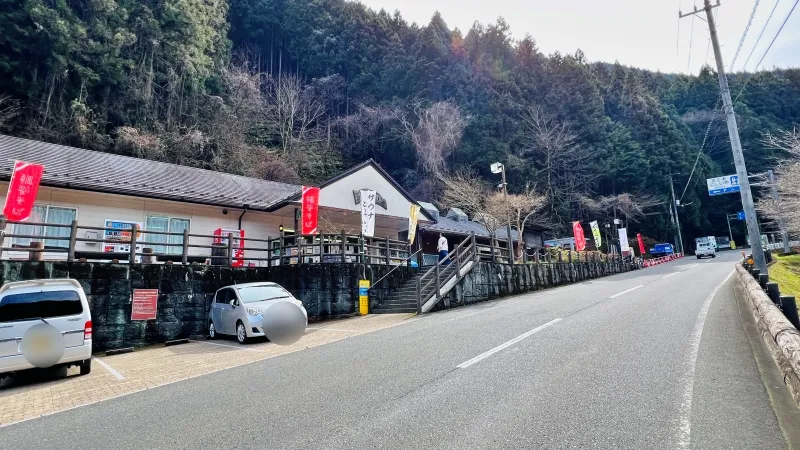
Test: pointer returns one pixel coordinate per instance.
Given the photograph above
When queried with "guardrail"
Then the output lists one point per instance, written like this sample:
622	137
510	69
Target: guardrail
140	245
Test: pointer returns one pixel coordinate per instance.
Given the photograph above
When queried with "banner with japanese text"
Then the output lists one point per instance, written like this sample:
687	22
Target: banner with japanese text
310	205
412	223
22	190
598	241
368	212
623	239
580	239
641	243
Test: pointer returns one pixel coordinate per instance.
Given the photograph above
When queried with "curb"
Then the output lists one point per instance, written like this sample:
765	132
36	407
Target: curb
781	337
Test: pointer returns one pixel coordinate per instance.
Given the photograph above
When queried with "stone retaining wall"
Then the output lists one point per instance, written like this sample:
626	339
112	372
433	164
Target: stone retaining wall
186	292
490	280
781	337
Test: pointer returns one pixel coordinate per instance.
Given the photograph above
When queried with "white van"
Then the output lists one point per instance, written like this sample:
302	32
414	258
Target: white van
706	249
44	317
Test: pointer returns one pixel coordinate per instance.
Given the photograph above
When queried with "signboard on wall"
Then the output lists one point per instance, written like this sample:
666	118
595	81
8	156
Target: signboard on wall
723	185
144	305
22	190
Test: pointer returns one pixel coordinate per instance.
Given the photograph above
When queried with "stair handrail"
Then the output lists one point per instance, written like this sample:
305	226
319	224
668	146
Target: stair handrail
372	285
468	250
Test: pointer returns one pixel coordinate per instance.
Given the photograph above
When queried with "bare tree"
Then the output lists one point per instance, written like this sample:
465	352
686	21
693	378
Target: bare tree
9	108
553	148
787	207
435	131
465	190
292	112
524	209
632	207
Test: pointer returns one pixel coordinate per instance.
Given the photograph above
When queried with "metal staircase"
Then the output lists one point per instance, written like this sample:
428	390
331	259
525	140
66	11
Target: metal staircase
423	291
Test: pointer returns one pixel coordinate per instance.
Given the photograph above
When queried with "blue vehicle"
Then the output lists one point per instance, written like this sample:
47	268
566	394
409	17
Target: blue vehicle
662	250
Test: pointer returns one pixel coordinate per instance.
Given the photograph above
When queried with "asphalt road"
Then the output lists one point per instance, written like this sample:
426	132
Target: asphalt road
652	359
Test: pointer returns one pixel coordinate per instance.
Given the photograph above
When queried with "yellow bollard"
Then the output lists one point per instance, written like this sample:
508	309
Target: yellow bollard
733	245
363	297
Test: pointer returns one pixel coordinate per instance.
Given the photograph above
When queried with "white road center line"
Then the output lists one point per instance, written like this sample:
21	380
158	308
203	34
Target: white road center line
110	369
692	266
685	422
625	292
667	276
503	346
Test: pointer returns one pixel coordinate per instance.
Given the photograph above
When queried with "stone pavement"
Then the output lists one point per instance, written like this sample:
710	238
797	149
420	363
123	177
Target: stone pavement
30	396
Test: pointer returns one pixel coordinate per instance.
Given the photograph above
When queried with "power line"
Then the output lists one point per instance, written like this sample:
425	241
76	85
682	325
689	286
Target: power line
700	151
767	51
691	39
761	34
744	35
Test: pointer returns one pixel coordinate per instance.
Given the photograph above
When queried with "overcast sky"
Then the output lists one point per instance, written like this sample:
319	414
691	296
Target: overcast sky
641	33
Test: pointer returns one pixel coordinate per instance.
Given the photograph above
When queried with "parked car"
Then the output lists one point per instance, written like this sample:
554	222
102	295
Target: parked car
44	323
239	310
706	249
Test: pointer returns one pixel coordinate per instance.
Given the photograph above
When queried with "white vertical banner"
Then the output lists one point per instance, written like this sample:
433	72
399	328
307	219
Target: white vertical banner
368	212
623	239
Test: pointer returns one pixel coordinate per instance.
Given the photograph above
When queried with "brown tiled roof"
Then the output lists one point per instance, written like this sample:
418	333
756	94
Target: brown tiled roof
88	170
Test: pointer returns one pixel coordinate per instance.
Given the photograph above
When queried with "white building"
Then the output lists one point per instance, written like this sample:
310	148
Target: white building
102	189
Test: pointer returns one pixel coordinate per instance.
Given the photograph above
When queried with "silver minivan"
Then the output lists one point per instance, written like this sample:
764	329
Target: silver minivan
44	323
239	310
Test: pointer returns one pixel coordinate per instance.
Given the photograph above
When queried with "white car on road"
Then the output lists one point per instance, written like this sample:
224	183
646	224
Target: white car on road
44	323
705	249
239	310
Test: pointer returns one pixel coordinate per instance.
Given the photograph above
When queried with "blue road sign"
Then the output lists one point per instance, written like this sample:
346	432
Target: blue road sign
740	215
723	185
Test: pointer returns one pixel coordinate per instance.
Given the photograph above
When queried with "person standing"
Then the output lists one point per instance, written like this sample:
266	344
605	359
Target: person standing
442	247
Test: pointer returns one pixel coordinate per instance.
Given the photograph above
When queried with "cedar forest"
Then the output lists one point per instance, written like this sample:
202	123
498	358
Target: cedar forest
299	90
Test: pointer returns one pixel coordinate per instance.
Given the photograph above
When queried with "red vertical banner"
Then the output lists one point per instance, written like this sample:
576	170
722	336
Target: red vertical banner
22	190
580	239
641	243
310	205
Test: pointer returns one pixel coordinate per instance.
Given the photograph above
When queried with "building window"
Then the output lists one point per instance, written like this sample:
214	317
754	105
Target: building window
161	243
57	215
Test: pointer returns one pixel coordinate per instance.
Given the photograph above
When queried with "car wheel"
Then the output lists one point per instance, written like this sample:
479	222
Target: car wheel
212	330
698	257
241	333
86	367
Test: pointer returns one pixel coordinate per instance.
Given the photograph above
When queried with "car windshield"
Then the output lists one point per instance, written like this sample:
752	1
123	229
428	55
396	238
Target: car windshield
252	294
35	305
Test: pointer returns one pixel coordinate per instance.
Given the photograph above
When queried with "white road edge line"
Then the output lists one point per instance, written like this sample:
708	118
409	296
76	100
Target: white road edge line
503	346
625	292
685	422
110	369
667	276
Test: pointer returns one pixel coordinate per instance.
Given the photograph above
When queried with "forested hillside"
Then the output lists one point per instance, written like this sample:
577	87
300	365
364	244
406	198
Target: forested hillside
297	90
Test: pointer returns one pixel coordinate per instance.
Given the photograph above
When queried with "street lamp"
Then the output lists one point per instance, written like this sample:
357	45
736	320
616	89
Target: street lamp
501	169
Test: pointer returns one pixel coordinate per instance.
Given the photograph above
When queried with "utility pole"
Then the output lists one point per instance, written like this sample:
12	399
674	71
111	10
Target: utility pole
781	225
736	145
675	209
501	168
730	233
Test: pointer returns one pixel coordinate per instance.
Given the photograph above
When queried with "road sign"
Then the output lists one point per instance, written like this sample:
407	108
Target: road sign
723	185
740	215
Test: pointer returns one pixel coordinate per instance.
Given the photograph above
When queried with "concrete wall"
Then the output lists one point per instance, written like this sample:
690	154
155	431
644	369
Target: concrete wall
489	280
186	292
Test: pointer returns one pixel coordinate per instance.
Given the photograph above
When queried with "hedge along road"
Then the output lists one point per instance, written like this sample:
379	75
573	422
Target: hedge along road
623	361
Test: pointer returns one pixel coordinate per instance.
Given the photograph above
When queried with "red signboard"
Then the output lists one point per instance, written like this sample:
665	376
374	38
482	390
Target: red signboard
641	243
22	190
310	210
580	239
145	304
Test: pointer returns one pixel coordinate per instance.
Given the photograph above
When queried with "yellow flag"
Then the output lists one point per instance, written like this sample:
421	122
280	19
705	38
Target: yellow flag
412	223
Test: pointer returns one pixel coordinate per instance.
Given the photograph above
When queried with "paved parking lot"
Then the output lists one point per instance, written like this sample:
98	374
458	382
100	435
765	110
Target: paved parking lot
38	394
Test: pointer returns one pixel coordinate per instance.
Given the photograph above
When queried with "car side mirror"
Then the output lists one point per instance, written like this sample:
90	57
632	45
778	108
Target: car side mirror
233	303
